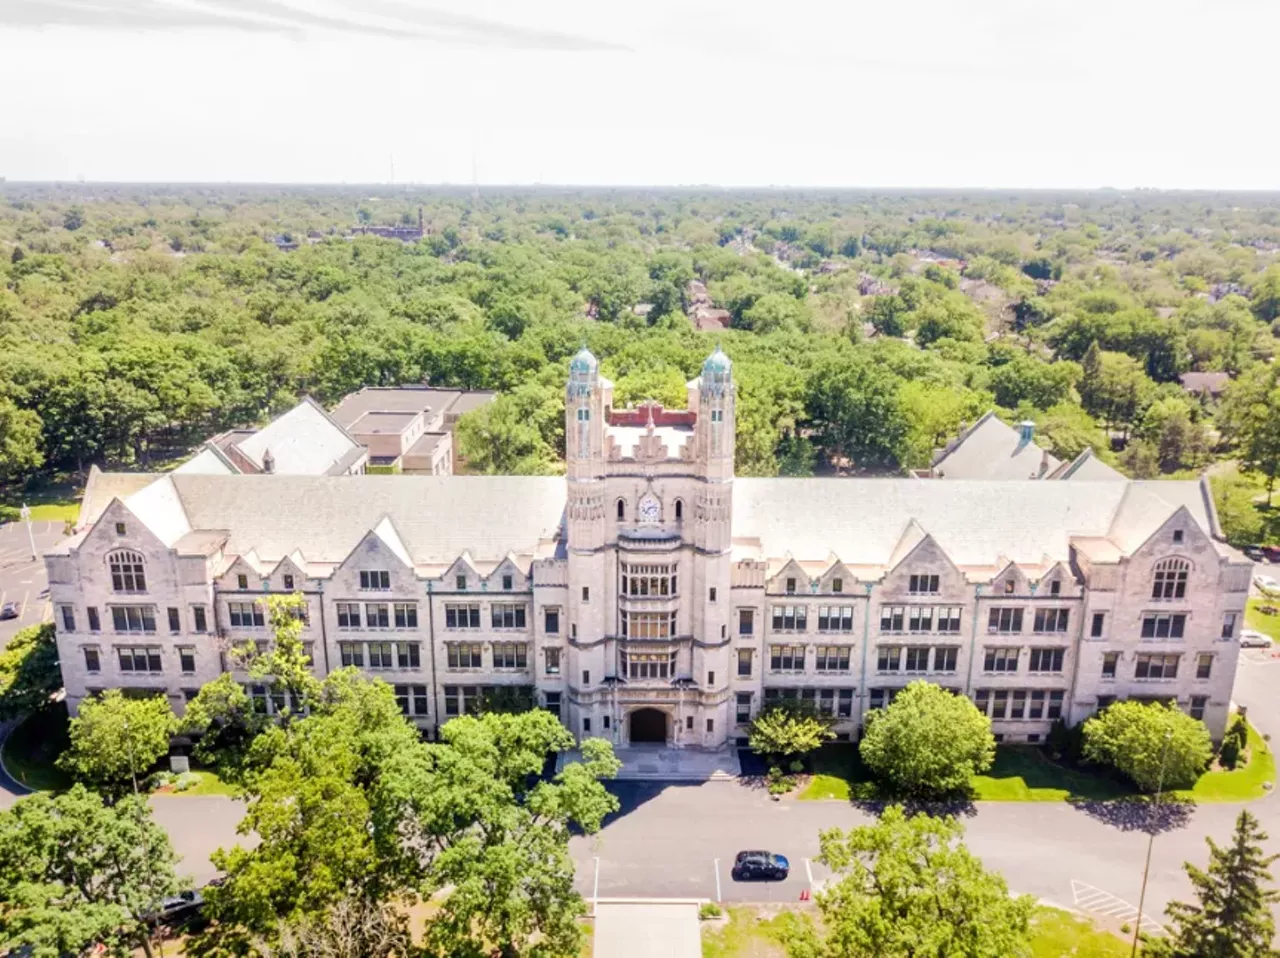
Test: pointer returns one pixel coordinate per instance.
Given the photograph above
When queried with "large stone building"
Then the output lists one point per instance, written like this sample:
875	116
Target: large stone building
649	595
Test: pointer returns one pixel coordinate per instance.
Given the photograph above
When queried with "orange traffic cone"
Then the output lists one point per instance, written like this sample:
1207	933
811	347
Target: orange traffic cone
804	895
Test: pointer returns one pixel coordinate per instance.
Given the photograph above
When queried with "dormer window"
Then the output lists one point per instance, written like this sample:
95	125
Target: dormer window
1055	587
506	583
1170	579
1009	586
288	583
461	583
127	573
791	587
242	582
837	586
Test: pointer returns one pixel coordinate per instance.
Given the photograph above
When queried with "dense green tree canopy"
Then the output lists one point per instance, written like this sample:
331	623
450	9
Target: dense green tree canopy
1154	744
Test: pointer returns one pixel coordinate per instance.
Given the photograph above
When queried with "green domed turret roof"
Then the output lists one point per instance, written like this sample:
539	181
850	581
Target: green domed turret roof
583	362
717	362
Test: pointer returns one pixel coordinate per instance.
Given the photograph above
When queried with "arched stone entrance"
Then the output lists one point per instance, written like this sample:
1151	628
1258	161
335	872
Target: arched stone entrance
647	726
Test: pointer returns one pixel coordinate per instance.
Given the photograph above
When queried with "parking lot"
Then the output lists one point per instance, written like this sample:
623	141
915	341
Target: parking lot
22	579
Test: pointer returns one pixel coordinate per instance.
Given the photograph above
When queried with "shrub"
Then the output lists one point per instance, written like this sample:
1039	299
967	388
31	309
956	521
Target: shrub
797	767
709	910
185	781
928	741
1233	742
1066	742
1130	737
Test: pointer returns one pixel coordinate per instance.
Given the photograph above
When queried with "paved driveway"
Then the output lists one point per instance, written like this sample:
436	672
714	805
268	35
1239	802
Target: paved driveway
23	579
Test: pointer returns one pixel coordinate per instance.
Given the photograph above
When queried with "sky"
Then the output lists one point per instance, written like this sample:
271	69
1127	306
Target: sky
925	93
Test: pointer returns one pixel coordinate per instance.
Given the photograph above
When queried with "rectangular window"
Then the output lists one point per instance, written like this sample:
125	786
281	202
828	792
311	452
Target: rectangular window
835	618
711	725
1095	630
352	654
92	660
199	618
786	658
586	593
586	724
917	659
376	581
789	618
922	584
1018	704
1104	701
551	702
648	580
95	624
464	655
649	625
649	665
68	618
742	704
1036	709
999	703
408	655
744	663
377	615
139	658
949	618
1055	705
412	699
1109	660
507	616
746	621
246	615
1046	660
288	583
551	621
460	583
832	658
1055	587
1170	580
242	582
791	587
406	615
892	618
1204	665
889	658
1198	703
309	653
133	618
348	615
844	703
920	618
1051	620
945	657
506	583
586	676
711	594
1000	660
461	616
1164	626
1005	620
1228	625
551	657
186	659
1151	665
380	655
837	585
510	655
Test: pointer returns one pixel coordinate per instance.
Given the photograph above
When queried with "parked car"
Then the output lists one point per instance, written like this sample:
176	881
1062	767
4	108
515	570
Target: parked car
9	610
749	866
1254	552
1266	583
1272	553
1253	639
177	907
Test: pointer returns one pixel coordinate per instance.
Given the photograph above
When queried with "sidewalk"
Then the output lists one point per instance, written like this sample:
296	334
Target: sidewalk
660	763
636	928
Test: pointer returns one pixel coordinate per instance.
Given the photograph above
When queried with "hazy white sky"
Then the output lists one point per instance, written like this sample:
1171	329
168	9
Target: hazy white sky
1072	93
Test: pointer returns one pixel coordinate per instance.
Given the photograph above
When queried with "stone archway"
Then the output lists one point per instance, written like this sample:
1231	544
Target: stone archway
647	726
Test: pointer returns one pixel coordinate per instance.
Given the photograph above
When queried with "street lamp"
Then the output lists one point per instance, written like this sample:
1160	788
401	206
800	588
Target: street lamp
1151	840
26	516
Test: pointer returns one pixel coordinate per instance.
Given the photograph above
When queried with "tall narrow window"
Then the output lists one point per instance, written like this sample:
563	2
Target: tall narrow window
679	511
621	510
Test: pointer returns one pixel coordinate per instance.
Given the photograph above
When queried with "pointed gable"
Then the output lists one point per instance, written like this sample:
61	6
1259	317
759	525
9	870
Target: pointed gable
911	537
508	567
386	531
840	572
463	569
1011	580
791	569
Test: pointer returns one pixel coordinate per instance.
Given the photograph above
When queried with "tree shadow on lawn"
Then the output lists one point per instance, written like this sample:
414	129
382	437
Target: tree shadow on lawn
1138	813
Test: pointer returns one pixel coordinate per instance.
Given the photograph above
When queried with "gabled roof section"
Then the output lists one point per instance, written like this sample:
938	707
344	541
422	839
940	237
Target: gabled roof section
1086	466
160	508
209	461
386	531
305	441
792	569
101	487
992	450
911	537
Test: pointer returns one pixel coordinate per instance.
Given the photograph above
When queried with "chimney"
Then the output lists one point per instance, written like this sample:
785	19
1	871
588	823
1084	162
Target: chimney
1027	430
268	461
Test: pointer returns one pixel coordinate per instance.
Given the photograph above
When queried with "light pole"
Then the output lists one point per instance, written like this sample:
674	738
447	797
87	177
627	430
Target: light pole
1151	840
26	516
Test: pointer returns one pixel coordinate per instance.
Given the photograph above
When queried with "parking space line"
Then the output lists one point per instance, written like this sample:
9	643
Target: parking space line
1095	901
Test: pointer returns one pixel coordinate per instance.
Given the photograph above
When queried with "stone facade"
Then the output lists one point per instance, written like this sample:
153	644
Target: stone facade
650	595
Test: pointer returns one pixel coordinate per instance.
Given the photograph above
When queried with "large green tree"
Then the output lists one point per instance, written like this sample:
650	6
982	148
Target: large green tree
1232	917
927	741
75	871
1155	744
116	739
789	729
907	887
29	672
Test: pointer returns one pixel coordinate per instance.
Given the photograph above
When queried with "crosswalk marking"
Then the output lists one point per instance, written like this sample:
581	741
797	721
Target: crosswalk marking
1094	901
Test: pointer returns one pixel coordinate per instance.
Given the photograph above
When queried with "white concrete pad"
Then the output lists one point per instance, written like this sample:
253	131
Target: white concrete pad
660	763
646	930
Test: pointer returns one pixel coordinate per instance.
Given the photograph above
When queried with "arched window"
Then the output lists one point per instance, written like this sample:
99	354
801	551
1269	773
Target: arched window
679	511
126	572
1171	579
622	509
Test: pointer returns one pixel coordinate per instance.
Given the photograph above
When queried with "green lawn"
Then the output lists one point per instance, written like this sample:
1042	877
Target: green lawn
57	503
756	932
1266	624
32	748
1026	774
209	784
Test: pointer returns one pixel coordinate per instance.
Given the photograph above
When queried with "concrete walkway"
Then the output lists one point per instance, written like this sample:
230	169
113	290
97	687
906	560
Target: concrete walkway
656	928
661	763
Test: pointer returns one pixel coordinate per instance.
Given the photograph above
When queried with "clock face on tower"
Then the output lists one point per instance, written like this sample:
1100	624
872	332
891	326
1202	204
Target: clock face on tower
650	510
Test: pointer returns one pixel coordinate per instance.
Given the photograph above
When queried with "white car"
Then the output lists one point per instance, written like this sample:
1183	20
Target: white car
1253	639
1266	583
